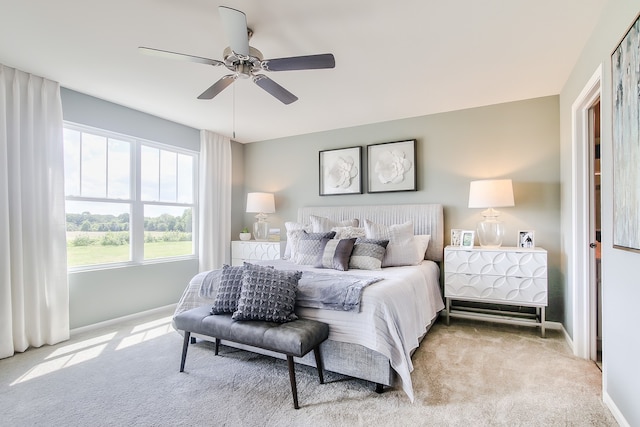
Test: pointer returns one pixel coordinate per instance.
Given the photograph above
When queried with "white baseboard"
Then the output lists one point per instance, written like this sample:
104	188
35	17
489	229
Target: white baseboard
614	410
117	320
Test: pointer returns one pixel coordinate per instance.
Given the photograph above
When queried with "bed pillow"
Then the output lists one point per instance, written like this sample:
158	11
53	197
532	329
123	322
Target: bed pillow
320	224
368	254
335	254
293	235
310	247
228	290
402	248
348	232
267	294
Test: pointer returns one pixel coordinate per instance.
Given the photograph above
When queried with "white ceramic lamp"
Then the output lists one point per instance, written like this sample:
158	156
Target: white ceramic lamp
262	204
490	194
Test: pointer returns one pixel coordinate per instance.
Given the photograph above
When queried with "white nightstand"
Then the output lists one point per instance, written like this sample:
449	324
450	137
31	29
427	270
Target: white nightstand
252	250
506	276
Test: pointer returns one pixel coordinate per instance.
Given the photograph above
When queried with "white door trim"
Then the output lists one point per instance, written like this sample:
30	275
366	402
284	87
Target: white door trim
579	253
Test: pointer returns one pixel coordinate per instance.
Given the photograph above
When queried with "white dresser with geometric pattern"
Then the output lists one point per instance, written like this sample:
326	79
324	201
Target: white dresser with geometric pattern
505	276
252	250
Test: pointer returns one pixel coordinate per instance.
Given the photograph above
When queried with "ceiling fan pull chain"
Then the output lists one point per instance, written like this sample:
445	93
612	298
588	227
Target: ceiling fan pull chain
234	111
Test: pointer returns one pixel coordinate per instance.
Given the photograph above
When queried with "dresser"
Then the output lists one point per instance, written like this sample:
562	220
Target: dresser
252	250
504	276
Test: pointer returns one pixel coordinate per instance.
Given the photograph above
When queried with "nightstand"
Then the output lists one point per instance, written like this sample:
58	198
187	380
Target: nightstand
252	250
501	276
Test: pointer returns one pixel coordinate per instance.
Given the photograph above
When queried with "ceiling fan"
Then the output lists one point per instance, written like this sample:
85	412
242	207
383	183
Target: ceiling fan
246	61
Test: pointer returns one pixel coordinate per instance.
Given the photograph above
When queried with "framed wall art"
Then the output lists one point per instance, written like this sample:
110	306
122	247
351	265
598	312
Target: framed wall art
341	171
626	151
391	166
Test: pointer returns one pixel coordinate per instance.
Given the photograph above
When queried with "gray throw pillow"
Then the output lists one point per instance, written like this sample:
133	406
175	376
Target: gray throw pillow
335	254
310	247
368	254
267	294
228	290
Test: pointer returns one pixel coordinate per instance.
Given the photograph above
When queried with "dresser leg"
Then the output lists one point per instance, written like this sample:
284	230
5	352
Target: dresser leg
542	320
447	309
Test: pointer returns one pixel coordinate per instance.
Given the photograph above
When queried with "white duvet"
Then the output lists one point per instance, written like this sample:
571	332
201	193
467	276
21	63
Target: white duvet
394	313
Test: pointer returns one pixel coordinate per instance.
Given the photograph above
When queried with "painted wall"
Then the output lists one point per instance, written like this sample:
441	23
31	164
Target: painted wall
518	140
620	287
100	295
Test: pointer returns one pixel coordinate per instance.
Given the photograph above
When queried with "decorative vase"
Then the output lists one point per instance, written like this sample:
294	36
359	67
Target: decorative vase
245	236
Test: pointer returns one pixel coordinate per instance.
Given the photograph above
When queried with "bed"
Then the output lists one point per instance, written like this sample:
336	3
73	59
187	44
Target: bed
376	341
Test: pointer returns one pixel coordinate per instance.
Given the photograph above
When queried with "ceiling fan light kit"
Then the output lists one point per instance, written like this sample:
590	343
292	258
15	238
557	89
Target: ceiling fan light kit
246	61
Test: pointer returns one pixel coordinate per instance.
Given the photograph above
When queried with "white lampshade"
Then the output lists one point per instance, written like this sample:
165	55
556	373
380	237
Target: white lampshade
260	203
491	193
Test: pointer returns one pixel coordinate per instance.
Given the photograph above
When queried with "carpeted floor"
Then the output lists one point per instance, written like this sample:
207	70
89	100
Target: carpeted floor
473	374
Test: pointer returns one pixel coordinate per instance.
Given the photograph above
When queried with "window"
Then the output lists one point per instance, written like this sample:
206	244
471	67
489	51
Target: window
127	200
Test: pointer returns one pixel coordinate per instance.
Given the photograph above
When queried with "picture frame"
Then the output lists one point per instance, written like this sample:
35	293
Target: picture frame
526	239
456	236
467	239
626	152
340	171
391	166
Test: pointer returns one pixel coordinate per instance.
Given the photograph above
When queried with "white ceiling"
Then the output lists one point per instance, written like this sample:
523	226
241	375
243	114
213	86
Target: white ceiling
394	59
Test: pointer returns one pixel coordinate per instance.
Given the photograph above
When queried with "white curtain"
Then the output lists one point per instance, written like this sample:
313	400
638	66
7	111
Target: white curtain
215	200
34	292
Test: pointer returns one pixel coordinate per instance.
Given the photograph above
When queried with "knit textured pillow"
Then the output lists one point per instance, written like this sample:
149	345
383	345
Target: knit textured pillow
267	294
335	254
310	247
368	254
228	290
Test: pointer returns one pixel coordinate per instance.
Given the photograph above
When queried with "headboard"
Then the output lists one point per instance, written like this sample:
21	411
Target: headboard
426	218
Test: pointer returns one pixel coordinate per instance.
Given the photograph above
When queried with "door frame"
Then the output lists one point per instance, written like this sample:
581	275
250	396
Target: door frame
580	266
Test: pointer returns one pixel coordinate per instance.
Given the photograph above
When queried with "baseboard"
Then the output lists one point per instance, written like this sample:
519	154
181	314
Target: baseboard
117	320
614	410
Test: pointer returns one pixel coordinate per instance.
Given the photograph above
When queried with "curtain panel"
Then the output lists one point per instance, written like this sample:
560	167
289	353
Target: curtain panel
214	200
34	293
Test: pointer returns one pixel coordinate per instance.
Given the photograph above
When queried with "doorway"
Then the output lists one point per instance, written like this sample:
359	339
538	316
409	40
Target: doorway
595	262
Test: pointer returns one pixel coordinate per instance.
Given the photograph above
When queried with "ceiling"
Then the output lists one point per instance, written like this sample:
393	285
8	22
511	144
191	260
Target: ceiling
394	59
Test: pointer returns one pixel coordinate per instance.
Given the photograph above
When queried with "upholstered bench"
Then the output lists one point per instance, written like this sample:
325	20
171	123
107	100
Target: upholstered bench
295	338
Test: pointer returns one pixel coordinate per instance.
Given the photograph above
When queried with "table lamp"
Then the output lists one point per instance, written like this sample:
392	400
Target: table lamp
262	204
490	194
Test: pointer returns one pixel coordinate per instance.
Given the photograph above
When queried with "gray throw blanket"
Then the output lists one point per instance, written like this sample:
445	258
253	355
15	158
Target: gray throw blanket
315	290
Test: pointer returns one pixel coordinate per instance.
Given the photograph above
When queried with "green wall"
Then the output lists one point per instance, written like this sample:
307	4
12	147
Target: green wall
518	140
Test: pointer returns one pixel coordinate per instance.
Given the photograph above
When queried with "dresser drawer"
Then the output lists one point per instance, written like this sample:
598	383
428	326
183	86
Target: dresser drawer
242	251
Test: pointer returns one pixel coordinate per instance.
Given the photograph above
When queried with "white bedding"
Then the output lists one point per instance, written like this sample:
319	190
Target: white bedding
395	313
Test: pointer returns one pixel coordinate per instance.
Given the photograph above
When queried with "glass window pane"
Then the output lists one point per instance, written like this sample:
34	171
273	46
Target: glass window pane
119	169
167	231
94	165
97	233
168	167
185	178
71	162
149	174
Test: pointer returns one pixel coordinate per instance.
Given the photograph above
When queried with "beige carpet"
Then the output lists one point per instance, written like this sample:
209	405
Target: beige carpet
469	374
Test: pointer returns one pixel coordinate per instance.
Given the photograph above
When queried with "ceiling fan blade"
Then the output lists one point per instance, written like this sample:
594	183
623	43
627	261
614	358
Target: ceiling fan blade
309	62
218	86
179	56
235	27
274	89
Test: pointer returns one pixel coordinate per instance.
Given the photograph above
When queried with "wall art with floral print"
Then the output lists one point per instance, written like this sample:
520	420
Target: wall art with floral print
341	171
391	166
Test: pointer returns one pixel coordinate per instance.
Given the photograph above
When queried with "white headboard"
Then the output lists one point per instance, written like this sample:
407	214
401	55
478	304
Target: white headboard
426	218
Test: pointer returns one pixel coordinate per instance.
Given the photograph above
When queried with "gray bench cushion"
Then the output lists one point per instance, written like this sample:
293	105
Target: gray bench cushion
294	338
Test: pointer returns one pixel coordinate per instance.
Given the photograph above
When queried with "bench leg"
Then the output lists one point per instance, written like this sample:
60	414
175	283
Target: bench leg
316	352
292	378
217	343
185	346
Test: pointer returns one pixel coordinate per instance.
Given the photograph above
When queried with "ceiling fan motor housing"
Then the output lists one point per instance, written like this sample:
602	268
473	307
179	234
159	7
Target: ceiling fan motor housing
243	66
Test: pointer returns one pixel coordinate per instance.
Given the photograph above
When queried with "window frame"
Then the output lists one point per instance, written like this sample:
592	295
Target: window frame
136	218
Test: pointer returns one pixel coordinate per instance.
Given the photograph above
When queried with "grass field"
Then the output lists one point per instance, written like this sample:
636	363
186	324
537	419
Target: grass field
98	254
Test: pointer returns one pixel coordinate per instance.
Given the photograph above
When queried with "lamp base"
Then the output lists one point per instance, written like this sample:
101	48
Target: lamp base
490	232
261	231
